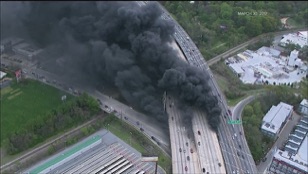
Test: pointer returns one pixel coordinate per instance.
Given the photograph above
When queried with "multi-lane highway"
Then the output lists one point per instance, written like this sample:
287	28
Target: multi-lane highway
184	156
237	156
209	151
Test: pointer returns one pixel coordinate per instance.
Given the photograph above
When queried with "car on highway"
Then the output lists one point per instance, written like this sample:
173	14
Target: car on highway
180	149
238	153
186	143
138	123
184	151
171	118
186	168
199	132
203	170
229	112
141	129
240	146
191	151
188	158
199	143
241	133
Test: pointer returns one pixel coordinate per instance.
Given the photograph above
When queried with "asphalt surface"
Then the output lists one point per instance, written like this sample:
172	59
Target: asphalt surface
183	161
235	161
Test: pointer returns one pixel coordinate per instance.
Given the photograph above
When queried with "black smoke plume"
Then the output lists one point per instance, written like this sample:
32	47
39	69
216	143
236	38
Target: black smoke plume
118	43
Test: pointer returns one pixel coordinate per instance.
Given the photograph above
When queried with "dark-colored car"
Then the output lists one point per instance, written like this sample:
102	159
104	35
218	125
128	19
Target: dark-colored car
240	146
171	118
199	133
138	123
180	149
188	158
186	143
229	112
186	168
141	129
241	133
203	170
191	151
199	143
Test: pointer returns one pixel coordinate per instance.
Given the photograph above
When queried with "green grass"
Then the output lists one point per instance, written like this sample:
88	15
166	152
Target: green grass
25	102
137	140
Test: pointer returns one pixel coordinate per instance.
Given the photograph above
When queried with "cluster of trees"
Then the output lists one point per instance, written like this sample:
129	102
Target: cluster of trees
265	41
254	113
223	25
67	115
236	89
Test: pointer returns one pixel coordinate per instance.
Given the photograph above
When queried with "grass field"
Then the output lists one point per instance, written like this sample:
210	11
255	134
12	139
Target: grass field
25	102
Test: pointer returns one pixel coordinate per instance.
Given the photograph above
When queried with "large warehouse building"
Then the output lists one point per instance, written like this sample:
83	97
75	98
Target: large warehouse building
95	155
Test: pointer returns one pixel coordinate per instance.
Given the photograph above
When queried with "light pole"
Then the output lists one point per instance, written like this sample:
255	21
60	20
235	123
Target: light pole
151	159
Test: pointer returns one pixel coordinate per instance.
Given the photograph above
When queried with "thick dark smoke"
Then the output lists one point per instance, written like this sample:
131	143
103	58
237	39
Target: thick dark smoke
112	42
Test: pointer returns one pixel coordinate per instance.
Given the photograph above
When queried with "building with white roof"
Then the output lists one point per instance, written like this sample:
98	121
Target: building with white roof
267	66
294	159
303	107
275	119
2	74
300	38
293	57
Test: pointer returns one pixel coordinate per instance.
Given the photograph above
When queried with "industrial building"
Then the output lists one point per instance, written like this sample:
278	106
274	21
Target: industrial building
267	66
275	119
98	154
303	107
19	46
2	74
300	38
8	43
293	159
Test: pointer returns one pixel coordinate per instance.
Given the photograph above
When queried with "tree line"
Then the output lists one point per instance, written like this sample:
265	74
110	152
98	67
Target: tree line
69	114
216	26
253	114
